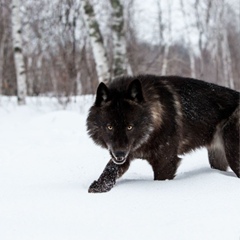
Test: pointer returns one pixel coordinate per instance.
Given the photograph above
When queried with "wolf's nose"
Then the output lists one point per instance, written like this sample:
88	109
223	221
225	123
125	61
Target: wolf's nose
120	155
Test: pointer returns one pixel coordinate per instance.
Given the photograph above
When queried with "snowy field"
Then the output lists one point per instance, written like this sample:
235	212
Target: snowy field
47	163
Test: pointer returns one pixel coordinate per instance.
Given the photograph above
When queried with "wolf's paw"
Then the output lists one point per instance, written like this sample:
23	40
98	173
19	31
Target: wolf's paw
97	187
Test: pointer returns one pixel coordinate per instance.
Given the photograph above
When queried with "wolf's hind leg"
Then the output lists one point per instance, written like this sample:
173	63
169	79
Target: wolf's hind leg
216	152
217	159
231	137
107	179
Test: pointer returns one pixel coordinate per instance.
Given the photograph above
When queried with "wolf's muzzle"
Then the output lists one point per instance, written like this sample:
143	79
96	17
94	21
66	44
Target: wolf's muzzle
119	157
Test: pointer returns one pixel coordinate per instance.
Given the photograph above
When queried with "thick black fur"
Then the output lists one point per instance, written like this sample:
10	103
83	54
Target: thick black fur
158	119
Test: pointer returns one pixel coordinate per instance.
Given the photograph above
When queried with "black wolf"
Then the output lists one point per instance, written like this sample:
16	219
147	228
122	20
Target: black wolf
158	119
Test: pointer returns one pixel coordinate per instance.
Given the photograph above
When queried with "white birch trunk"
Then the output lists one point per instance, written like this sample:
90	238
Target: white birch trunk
214	42
165	60
2	45
190	46
121	65
30	77
227	62
168	41
79	84
226	55
18	52
220	42
202	24
96	40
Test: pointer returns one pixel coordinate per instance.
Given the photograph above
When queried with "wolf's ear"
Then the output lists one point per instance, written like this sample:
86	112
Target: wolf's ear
102	94
134	91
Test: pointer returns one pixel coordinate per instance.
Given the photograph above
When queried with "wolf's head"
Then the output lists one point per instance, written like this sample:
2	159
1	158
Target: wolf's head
120	119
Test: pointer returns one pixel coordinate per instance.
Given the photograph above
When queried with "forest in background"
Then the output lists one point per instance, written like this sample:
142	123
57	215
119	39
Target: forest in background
63	48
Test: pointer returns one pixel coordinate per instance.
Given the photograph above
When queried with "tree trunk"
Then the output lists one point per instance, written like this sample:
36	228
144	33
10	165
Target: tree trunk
227	63
168	41
202	25
190	47
120	61
226	55
99	52
30	77
223	62
18	53
78	84
2	45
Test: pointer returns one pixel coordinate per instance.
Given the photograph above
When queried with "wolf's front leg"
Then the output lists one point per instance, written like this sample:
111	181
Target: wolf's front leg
108	178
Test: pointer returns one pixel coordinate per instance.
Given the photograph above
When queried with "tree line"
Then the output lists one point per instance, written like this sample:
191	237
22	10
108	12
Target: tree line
64	48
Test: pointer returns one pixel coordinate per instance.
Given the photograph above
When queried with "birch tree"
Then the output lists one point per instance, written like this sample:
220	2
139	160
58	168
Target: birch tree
188	33
219	47
3	38
2	43
202	24
226	55
18	52
120	61
168	37
99	52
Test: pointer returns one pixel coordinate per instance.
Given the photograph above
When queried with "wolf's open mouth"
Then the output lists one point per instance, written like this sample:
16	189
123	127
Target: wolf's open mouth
119	161
119	157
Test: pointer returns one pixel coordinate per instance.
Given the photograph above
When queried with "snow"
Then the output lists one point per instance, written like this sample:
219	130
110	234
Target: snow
47	163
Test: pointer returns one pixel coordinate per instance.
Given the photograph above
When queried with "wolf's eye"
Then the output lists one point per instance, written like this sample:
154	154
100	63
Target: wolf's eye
109	127
129	127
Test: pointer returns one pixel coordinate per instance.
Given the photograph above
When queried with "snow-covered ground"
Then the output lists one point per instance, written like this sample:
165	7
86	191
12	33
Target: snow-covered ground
47	163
